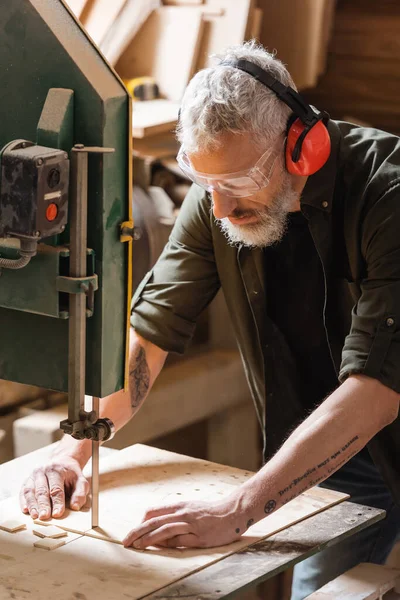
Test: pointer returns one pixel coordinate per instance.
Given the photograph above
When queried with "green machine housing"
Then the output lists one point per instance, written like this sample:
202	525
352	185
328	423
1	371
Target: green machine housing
57	91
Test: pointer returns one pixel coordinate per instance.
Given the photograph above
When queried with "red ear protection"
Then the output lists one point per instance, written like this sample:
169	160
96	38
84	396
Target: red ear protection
308	143
307	149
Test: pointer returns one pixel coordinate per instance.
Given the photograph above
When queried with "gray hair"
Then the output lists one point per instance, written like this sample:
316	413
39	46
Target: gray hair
224	99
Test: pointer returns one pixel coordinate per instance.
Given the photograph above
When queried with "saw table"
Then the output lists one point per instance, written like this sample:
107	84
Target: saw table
98	569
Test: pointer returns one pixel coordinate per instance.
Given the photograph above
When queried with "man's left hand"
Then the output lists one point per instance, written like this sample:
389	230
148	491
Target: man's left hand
188	524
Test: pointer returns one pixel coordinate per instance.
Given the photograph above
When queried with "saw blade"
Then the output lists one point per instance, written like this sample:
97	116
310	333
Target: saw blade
95	473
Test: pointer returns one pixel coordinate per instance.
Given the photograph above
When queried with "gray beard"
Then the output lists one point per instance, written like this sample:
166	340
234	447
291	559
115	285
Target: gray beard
271	225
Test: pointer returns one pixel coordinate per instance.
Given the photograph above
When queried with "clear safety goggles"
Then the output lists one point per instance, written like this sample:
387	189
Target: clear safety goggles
241	183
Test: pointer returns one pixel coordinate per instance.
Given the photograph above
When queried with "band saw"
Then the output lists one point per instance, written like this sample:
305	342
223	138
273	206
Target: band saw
66	224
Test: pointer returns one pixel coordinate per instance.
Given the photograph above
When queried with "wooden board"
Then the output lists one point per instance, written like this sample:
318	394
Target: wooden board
301	41
125	27
367	35
166	48
153	117
256	22
132	480
100	18
220	32
76	6
182	2
365	43
156	147
366	581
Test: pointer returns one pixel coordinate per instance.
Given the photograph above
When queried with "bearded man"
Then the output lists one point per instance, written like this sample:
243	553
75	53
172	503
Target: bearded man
297	218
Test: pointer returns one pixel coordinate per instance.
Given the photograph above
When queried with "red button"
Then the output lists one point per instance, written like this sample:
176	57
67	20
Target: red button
51	212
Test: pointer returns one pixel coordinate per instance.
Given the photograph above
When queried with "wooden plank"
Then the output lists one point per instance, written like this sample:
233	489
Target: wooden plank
183	2
256	23
356	8
76	6
221	32
100	18
144	472
301	40
325	35
267	558
156	147
369	84
366	581
139	476
153	117
97	570
166	48
373	36
129	21
363	44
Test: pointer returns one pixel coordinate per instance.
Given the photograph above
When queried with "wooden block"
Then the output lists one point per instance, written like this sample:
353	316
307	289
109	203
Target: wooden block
366	581
81	519
12	525
49	531
49	544
156	52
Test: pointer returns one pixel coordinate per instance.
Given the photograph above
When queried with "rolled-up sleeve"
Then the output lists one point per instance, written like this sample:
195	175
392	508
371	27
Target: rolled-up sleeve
182	283
373	345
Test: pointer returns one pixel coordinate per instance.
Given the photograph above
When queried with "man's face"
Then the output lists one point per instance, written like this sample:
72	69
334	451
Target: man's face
259	219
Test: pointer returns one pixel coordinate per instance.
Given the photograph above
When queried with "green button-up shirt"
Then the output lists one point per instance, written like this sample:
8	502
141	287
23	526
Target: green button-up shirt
353	208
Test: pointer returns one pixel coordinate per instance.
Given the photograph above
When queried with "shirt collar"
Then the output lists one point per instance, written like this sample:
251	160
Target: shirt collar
319	188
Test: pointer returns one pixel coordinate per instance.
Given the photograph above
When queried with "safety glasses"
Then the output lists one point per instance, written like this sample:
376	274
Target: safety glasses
241	183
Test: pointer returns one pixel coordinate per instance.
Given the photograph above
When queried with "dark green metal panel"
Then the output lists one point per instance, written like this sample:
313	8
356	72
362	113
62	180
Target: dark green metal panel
42	47
40	290
35	284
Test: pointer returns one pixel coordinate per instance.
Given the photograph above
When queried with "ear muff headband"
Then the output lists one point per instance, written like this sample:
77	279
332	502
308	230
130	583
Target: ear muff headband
308	141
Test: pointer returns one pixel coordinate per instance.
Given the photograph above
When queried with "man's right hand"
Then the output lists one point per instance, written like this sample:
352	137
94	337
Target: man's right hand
43	493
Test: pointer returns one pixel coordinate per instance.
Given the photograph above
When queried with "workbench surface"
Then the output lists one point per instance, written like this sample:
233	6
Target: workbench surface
228	577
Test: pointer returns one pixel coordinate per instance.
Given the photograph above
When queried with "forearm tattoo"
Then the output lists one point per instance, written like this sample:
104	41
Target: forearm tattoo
139	377
250	522
270	506
312	476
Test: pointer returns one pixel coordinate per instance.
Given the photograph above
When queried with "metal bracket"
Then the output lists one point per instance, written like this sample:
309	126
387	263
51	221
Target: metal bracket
129	232
79	285
88	428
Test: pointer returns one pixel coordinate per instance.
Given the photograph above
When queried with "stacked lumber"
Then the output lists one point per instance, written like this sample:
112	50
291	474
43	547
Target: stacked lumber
167	40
